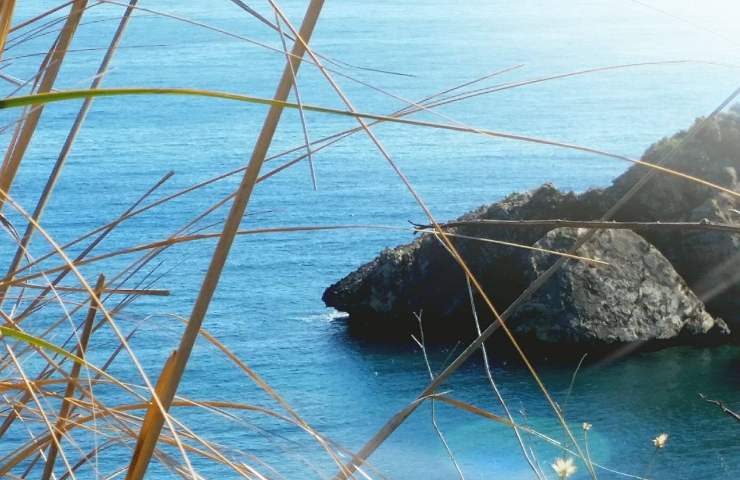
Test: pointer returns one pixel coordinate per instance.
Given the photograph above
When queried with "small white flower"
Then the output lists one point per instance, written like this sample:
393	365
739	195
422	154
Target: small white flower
564	468
586	426
660	440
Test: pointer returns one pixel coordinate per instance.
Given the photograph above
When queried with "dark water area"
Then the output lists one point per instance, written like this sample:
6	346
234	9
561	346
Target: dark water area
268	307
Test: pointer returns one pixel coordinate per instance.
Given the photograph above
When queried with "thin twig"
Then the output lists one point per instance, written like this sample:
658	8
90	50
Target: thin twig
572	382
722	406
530	458
592	224
298	100
422	346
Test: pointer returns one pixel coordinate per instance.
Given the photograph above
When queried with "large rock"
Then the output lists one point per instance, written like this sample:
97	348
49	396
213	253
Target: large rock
638	297
709	261
382	296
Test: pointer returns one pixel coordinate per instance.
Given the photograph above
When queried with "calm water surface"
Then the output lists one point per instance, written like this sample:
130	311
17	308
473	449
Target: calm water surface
268	307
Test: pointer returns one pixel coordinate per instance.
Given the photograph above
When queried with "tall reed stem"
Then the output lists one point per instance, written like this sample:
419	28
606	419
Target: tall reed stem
6	16
218	260
51	65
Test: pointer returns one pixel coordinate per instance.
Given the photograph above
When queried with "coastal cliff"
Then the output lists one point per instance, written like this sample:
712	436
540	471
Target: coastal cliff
662	285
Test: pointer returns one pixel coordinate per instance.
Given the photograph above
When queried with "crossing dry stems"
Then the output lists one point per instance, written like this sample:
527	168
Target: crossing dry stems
77	424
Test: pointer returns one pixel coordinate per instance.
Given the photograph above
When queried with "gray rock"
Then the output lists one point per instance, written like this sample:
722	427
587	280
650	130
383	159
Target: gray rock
638	297
708	261
382	296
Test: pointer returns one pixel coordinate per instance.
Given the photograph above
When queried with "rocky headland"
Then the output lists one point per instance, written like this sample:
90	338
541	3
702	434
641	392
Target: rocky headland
658	285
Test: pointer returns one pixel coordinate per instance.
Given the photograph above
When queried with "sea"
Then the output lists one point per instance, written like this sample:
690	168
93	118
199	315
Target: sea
675	60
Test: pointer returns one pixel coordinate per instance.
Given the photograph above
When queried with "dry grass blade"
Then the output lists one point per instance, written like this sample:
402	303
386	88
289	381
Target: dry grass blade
297	93
259	381
103	232
595	224
22	137
422	345
504	421
76	94
6	17
46	30
69	141
40	16
235	216
149	433
64	271
331	140
276	27
118	291
7	332
99	412
489	375
22	281
571	256
42	379
92	454
231	34
38	403
74	375
560	76
41	343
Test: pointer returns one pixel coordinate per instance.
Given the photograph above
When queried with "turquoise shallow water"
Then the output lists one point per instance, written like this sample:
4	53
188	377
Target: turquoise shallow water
268	307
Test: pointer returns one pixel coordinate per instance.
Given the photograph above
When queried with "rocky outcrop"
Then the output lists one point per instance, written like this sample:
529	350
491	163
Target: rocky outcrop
382	295
637	297
708	261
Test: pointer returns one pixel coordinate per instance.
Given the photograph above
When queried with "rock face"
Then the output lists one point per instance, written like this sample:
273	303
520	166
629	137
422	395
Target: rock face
382	296
637	297
708	261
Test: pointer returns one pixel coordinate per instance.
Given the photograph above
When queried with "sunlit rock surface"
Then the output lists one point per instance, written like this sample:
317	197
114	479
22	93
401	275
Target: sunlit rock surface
688	267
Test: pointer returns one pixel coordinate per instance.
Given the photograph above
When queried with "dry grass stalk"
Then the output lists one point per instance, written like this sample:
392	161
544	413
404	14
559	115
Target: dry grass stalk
119	291
102	231
71	137
489	375
330	140
595	224
174	240
232	224
38	17
422	345
360	116
22	137
149	433
109	320
301	114
6	17
74	375
260	382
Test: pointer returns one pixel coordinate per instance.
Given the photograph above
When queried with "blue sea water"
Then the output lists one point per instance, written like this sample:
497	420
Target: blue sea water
268	307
